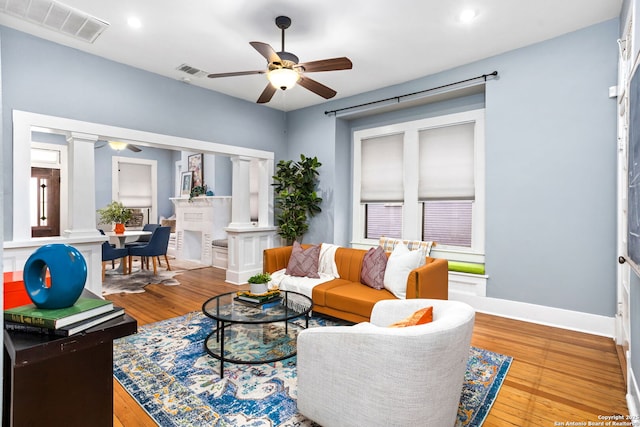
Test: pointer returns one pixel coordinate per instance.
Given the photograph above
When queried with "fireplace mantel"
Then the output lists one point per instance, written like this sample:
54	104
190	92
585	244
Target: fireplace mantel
199	221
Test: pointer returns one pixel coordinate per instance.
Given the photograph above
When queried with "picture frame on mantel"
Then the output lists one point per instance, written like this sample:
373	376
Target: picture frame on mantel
186	180
195	162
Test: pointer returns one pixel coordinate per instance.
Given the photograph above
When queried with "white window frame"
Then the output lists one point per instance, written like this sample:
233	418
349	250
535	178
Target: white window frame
412	211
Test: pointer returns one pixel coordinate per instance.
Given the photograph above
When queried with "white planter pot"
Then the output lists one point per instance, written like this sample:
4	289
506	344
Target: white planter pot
258	288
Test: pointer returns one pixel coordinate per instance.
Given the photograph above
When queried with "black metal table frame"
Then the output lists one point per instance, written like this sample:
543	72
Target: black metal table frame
221	325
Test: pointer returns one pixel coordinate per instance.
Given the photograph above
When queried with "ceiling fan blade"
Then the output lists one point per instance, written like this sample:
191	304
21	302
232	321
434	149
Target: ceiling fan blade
332	64
236	73
317	88
266	51
134	148
99	146
267	94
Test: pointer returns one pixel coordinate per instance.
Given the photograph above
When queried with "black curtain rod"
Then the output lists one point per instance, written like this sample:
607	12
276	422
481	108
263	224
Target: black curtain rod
399	97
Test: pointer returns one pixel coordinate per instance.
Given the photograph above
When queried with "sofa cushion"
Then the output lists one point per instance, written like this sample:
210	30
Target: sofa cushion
354	298
420	317
304	262
320	291
400	264
373	266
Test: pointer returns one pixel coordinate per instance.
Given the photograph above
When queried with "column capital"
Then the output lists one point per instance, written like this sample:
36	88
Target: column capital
241	159
86	137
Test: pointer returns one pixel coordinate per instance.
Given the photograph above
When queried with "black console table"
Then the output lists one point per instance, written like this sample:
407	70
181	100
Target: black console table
61	381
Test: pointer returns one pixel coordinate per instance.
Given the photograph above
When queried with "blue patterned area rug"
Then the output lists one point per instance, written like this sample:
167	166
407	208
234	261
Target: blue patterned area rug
167	371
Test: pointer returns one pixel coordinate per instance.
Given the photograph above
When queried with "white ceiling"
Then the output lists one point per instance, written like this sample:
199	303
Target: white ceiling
389	42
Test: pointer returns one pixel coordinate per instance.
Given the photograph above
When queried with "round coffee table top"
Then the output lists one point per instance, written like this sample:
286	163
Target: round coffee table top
228	309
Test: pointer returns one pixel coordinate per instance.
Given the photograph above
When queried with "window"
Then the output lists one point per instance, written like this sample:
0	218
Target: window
383	219
448	222
422	180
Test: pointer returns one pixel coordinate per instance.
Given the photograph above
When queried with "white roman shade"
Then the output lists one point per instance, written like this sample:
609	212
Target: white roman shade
446	162
135	185
381	174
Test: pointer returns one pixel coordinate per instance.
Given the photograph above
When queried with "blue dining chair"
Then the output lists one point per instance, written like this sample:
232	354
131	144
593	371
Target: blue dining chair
143	240
157	246
109	253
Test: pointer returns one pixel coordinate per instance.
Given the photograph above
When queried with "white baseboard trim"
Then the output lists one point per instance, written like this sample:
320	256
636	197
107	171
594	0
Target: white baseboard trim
550	316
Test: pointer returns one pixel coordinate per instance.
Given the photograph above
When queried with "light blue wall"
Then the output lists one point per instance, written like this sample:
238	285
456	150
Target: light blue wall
551	173
224	174
342	191
311	133
43	77
550	162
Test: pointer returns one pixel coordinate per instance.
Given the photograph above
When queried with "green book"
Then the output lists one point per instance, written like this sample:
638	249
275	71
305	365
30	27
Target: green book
83	309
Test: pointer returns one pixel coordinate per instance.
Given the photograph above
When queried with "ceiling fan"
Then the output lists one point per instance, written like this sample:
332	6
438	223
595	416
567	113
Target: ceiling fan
284	70
119	146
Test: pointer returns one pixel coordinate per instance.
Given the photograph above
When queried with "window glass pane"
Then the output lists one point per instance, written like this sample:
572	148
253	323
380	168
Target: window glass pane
447	222
44	202
33	201
383	220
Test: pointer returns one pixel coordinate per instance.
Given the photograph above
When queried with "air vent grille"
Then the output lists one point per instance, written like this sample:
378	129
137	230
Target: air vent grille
56	16
192	71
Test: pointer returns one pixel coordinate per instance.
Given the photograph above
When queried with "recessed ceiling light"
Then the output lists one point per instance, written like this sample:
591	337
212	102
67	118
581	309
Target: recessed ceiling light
134	22
468	15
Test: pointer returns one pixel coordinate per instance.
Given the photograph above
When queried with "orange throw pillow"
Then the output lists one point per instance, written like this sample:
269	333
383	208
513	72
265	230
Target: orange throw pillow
420	317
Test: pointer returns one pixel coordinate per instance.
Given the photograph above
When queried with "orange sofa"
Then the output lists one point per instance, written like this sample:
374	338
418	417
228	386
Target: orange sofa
346	298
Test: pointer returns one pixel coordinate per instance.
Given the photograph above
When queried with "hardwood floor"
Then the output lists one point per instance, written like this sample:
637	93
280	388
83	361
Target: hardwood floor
557	377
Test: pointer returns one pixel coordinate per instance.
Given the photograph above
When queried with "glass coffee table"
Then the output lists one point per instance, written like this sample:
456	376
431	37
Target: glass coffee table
249	333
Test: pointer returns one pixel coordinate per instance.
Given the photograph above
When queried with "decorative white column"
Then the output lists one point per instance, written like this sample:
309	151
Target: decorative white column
240	189
265	193
246	240
82	201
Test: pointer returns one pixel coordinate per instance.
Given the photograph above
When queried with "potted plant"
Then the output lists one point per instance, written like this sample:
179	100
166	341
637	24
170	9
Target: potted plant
115	212
259	283
296	198
198	190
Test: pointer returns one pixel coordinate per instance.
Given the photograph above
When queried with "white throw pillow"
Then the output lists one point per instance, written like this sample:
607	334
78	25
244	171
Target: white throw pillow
401	262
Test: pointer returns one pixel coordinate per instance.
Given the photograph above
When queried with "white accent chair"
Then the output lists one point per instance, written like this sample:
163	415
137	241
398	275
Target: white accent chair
371	375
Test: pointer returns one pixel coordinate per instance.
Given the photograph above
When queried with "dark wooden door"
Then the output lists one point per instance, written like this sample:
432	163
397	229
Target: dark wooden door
47	188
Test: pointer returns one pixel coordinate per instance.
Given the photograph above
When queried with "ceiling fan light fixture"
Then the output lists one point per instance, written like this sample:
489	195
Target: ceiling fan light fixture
118	145
283	78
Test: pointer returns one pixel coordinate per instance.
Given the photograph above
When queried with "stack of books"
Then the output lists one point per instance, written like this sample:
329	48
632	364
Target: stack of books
84	314
259	299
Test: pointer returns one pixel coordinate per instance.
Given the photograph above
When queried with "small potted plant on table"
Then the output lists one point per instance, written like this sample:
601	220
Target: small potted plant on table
259	283
115	212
